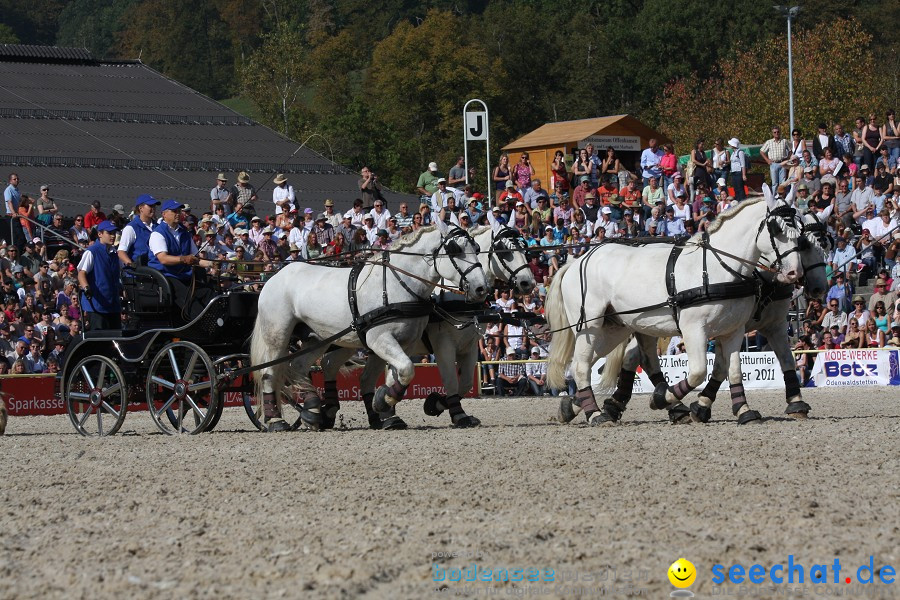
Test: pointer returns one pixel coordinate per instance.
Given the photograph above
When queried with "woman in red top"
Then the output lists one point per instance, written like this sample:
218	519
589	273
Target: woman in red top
26	211
560	174
669	164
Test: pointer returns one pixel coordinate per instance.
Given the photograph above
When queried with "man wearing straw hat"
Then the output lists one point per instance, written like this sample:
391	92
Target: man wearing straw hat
243	195
219	194
738	169
282	194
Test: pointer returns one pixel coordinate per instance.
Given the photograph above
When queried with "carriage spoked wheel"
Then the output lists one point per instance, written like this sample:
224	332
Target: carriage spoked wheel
96	397
181	389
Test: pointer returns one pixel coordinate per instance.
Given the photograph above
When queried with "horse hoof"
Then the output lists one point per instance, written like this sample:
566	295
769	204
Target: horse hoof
392	423
329	416
658	399
679	414
568	410
797	410
465	422
374	422
380	400
750	416
602	419
700	413
313	421
433	404
277	425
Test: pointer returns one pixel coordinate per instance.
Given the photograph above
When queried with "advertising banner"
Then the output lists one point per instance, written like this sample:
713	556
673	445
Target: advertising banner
845	368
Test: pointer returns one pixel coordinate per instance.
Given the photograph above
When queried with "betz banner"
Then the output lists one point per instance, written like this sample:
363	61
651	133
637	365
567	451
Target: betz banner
846	368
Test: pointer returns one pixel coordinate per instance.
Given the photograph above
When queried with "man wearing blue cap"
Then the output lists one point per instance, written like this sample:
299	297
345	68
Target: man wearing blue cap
98	278
172	251
134	243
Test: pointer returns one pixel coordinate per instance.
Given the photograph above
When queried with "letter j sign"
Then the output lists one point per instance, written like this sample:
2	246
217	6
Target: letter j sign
476	126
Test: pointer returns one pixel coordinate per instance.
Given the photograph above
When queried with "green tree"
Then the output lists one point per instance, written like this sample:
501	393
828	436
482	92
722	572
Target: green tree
274	76
827	87
419	79
93	25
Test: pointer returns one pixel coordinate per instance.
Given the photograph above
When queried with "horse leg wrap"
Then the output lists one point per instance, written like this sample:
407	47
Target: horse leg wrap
681	389
710	391
271	409
312	411
791	384
458	416
435	404
374	418
585	399
660	388
398	390
330	405
624	387
739	407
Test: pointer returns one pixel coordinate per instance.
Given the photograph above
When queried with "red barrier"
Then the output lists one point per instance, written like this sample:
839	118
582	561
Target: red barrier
27	395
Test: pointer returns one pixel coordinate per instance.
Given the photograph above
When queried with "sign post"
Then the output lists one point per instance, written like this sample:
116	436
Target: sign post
475	128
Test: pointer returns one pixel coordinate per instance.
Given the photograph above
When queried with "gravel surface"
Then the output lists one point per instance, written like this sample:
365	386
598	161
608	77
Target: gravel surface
356	513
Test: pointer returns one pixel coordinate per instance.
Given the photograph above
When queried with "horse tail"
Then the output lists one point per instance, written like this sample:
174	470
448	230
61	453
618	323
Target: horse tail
263	351
563	344
611	368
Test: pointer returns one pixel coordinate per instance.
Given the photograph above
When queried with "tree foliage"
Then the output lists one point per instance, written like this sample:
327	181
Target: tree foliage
384	83
829	86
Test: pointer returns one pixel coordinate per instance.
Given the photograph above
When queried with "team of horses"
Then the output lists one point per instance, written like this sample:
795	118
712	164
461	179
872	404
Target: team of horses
615	300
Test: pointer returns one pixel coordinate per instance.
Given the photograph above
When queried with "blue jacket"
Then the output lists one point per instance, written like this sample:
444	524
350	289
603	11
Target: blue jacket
173	248
140	249
103	282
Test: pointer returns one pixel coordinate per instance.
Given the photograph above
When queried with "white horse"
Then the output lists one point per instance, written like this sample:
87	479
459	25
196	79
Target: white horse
769	318
616	289
387	303
452	333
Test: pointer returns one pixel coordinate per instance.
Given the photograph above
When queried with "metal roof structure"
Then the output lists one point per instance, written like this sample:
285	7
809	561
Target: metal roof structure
112	130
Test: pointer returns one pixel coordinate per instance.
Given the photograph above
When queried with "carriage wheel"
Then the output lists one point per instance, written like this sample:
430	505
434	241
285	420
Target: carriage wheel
181	389
95	396
290	410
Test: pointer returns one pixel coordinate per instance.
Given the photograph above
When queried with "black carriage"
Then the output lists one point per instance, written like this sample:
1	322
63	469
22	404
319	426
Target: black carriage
179	368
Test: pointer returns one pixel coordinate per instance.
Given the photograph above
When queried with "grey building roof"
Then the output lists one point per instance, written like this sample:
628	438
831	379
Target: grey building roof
110	131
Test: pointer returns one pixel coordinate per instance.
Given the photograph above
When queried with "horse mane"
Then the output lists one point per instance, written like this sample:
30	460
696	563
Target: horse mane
410	239
479	230
731	213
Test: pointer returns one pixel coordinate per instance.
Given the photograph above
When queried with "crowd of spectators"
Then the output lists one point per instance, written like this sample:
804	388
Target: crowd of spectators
849	178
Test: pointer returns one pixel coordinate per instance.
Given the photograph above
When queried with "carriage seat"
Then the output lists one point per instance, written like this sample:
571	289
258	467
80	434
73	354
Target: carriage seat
147	292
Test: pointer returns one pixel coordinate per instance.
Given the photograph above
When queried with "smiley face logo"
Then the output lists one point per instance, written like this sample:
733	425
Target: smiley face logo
682	573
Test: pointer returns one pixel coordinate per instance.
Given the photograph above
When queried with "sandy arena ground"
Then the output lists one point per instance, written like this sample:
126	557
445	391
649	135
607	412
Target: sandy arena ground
360	514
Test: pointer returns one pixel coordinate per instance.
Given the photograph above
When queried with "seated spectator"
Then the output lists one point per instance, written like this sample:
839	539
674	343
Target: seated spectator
536	373
511	377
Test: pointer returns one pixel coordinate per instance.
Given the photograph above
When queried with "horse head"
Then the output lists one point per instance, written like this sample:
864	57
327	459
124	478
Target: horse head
781	228
456	260
506	258
815	245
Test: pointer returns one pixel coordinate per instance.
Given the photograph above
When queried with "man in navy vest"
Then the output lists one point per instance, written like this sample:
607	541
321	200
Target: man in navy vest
134	244
98	278
172	251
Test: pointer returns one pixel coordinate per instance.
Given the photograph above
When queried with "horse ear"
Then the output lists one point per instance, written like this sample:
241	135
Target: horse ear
789	199
767	194
441	226
495	226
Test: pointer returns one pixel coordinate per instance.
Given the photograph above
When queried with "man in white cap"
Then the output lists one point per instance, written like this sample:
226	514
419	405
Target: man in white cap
440	197
219	194
282	194
738	169
370	229
427	184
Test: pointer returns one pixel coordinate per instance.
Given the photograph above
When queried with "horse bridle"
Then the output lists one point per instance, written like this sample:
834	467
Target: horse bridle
446	241
779	219
814	233
498	238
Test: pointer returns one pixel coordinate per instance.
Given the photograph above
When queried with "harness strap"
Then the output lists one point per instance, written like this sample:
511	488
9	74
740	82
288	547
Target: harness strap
671	290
